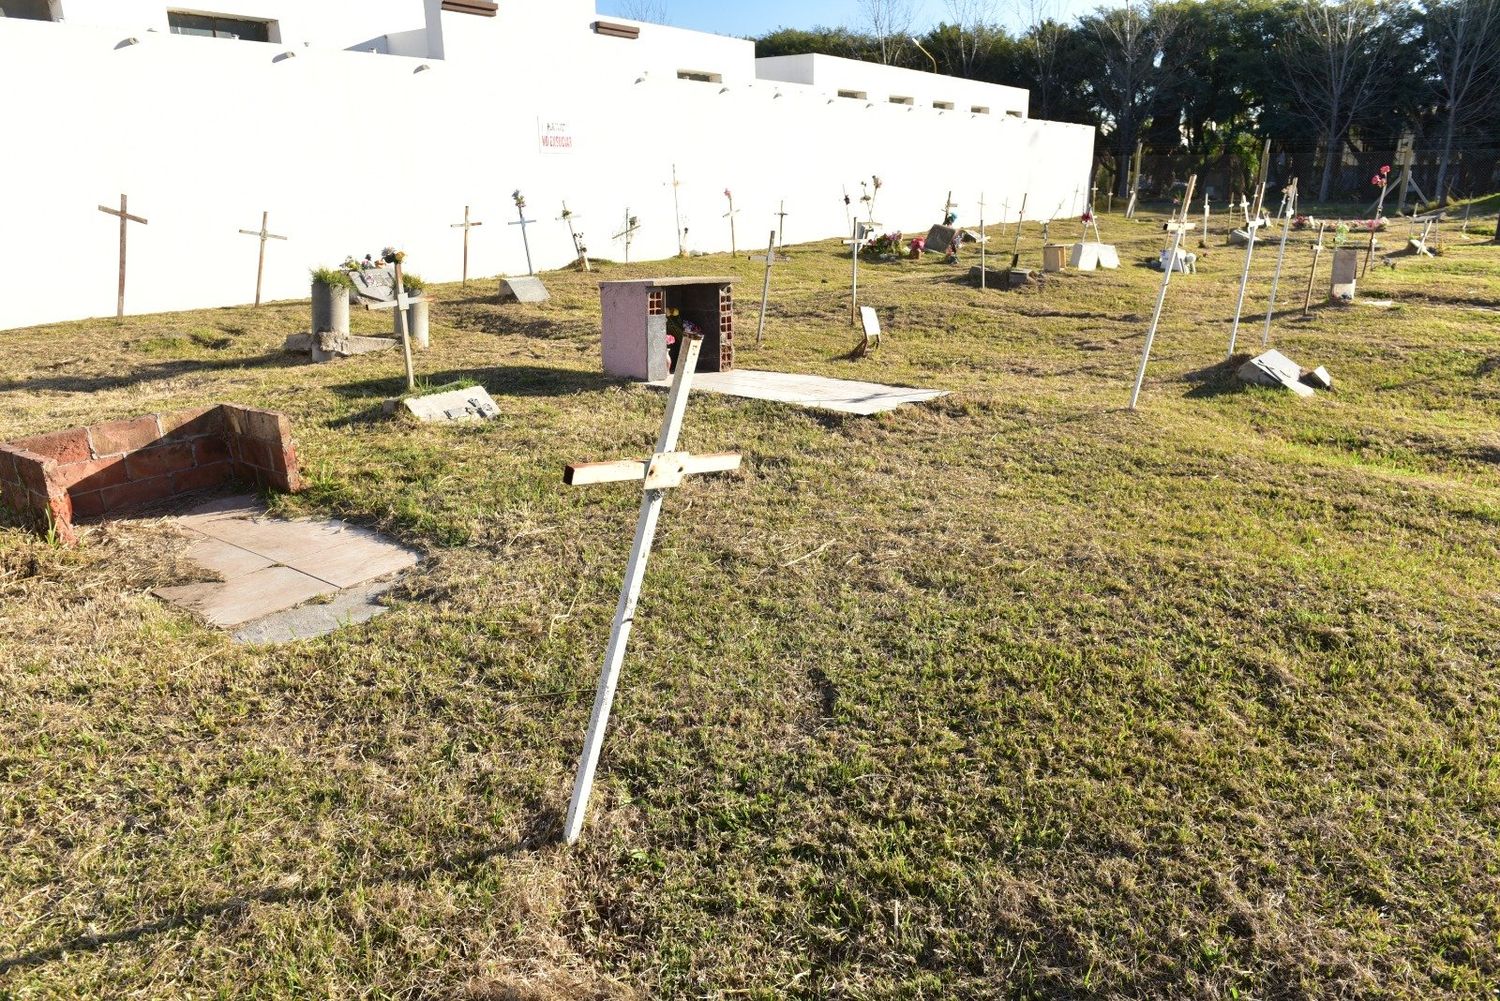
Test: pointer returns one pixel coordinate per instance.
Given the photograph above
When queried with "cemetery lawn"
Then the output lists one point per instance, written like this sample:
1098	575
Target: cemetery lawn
1013	695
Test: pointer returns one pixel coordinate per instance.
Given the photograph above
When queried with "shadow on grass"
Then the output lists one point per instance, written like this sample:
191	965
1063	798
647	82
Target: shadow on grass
1216	380
503	380
543	830
149	373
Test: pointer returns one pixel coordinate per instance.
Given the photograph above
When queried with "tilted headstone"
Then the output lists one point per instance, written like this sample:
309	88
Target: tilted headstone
375	283
457	405
940	238
523	290
1275	369
1345	274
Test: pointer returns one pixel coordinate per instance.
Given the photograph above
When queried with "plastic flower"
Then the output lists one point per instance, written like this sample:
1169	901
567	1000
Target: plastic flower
878	182
1088	217
519	198
1385	170
728	194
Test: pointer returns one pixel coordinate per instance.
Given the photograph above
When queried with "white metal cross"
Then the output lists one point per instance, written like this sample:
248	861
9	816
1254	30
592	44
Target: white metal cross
466	225
765	292
666	469
1289	209
265	234
1177	227
1252	227
862	234
523	223
632	225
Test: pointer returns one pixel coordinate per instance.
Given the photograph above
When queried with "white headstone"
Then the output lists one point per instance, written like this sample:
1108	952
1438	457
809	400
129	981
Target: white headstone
523	290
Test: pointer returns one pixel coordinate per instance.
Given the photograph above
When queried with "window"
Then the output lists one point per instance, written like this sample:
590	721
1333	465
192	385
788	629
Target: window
902	100
1016	114
699	76
29	10
219	26
943	105
854	95
979	110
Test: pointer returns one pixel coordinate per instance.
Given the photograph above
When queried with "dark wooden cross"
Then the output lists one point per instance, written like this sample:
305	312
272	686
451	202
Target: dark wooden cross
466	225
265	234
125	220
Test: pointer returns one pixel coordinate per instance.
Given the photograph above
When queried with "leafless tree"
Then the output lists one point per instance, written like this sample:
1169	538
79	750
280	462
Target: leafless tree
651	11
975	21
1041	40
890	22
1335	63
1464	36
1130	40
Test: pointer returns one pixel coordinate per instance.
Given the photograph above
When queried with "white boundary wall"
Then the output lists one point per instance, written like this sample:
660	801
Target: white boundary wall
352	151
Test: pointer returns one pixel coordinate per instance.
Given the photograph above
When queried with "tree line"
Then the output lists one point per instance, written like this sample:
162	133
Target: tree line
1336	85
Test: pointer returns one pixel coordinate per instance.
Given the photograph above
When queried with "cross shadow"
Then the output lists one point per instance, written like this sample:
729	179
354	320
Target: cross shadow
542	830
148	373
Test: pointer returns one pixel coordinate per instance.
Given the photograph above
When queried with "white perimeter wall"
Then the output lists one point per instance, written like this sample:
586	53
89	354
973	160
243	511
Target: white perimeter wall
351	152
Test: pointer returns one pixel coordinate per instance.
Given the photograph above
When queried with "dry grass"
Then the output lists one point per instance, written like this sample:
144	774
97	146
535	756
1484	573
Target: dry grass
1014	695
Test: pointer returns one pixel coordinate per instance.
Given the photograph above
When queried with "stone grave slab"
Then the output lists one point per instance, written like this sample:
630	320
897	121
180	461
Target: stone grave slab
1345	274
473	404
812	391
1093	256
940	238
272	567
530	290
1276	370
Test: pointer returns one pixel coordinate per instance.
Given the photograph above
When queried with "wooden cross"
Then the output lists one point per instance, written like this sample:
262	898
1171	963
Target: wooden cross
401	304
578	248
1313	272
466	225
632	224
765	292
734	248
1289	209
264	234
523	223
948	208
1015	253
666	469
1181	227
125	220
781	226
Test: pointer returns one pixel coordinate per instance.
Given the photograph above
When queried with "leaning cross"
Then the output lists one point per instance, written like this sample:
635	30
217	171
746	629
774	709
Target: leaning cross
734	248
264	234
1256	219
466	225
1178	227
401	304
666	469
1312	274
632	226
765	292
523	223
862	235
125	219
578	248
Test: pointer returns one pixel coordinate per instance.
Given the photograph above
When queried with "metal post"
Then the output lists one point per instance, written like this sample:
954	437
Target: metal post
765	290
411	377
1161	295
854	279
1290	204
630	594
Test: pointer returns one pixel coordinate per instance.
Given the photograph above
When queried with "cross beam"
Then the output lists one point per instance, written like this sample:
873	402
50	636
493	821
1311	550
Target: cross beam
265	234
666	469
125	220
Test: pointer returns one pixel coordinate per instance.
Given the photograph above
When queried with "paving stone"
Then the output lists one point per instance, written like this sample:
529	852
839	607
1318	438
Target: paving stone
458	405
841	395
282	541
311	621
226	560
354	561
249	597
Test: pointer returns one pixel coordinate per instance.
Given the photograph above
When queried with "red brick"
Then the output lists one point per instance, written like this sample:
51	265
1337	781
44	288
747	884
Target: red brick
8	467
32	473
256	453
194	423
15	496
209	450
202	477
96	474
61	506
136	493
266	425
159	460
249	474
115	437
64	446
88	505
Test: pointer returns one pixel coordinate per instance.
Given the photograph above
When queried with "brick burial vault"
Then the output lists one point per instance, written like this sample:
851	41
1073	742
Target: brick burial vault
60	478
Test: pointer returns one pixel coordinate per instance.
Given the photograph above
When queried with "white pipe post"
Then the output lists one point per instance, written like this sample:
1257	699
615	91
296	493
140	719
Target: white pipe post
854	276
983	271
1161	295
1290	206
630	594
765	290
1239	305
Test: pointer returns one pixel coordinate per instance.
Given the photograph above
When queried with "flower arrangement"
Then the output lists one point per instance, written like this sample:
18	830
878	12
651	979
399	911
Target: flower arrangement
883	247
871	192
1341	234
917	248
1381	177
519	199
1301	222
1087	217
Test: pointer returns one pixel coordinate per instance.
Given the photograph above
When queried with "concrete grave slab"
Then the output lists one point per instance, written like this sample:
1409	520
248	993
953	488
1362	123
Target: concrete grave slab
528	289
1092	256
272	567
457	405
813	391
1276	370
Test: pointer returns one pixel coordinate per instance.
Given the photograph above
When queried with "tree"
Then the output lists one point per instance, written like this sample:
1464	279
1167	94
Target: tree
1042	48
975	21
1464	39
1335	63
890	22
1129	43
652	11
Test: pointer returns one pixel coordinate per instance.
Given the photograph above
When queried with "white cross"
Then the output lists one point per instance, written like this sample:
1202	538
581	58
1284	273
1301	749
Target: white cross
770	260
401	304
578	247
523	223
632	224
666	469
734	248
863	233
781	227
1177	227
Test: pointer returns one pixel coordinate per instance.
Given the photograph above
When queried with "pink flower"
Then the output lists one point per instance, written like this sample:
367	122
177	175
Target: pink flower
1385	170
727	194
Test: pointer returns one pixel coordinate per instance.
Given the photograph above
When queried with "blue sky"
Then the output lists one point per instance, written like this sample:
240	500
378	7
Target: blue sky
756	17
